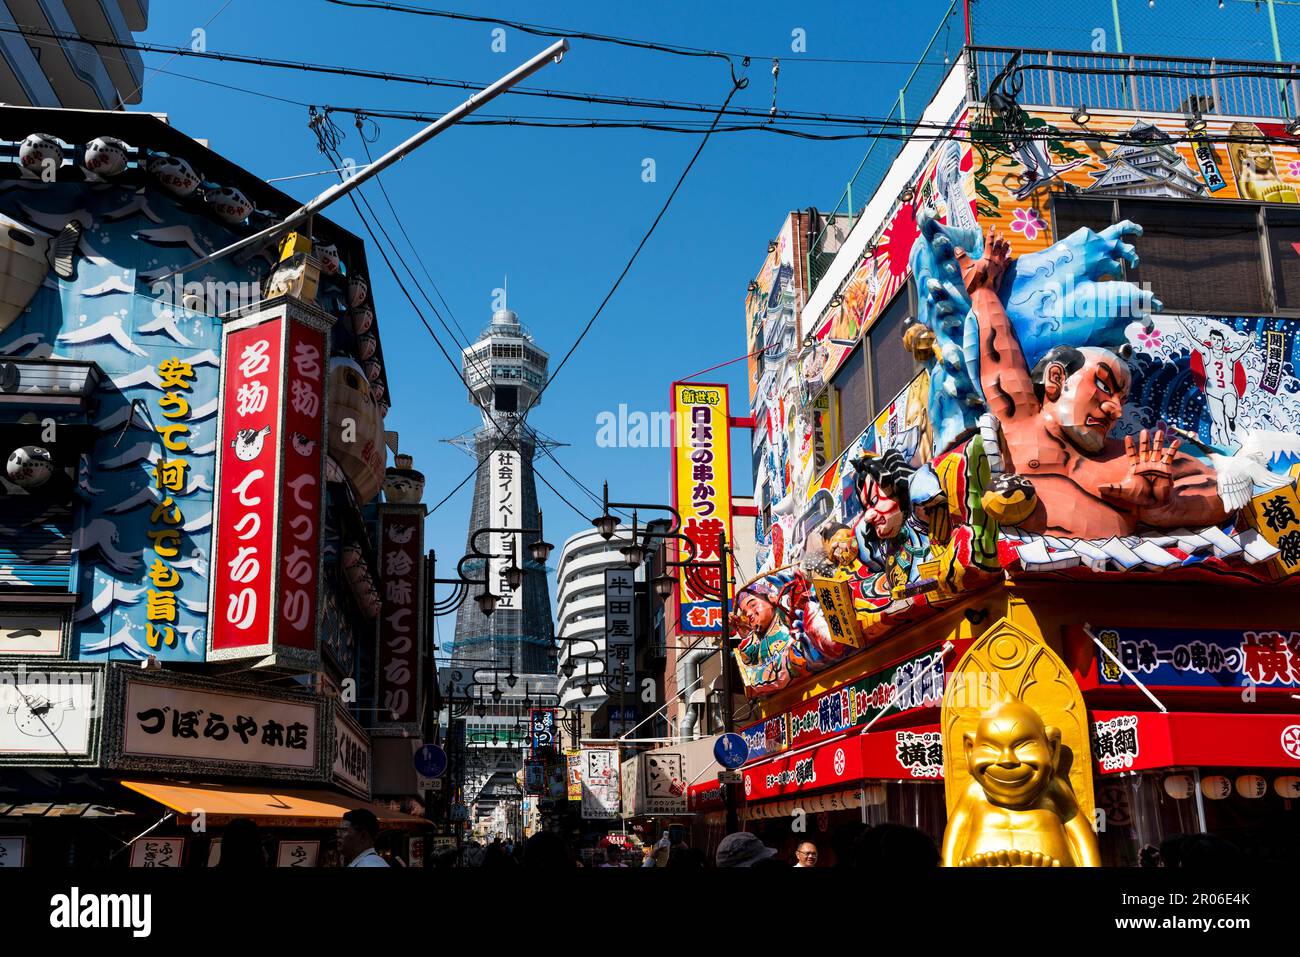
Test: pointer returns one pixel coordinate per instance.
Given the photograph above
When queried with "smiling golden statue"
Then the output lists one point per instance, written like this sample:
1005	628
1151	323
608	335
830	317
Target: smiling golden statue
1017	811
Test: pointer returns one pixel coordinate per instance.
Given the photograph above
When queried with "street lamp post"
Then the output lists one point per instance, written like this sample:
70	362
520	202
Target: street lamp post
663	585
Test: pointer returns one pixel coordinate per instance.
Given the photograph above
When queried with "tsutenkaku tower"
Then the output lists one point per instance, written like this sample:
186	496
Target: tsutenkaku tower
505	371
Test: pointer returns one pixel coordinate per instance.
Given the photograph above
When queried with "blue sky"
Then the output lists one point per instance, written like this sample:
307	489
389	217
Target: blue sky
559	211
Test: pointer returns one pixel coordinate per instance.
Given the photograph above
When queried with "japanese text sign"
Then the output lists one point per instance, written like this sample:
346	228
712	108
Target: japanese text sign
620	629
196	726
701	495
401	538
266	560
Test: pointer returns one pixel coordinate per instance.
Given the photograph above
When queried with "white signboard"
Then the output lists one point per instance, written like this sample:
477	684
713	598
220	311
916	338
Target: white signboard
30	634
351	764
620	629
157	851
600	783
506	506
665	783
13	851
200	725
298	854
46	713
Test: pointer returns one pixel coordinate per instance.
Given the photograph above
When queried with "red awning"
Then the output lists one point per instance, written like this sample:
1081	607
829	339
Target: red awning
1142	740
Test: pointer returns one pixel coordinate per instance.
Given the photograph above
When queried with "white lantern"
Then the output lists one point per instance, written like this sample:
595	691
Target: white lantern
1251	785
358	289
874	794
1216	787
1178	786
30	466
1287	786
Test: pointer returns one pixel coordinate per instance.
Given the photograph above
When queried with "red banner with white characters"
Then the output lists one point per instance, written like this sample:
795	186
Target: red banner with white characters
828	765
243	567
1145	740
401	541
300	498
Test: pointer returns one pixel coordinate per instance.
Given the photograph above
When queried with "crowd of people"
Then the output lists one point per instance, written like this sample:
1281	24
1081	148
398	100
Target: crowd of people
886	848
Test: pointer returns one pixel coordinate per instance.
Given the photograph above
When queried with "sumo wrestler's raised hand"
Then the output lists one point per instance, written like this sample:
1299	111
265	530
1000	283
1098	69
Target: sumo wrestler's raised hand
1150	479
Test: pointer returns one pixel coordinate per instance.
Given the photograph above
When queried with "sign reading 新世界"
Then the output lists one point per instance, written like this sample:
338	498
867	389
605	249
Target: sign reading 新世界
702	496
1200	658
620	629
202	727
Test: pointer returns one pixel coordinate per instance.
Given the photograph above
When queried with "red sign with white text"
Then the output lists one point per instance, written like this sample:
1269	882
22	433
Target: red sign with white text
300	495
827	765
400	542
243	566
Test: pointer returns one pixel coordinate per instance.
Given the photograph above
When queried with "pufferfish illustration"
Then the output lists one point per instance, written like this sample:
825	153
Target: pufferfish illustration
248	443
302	445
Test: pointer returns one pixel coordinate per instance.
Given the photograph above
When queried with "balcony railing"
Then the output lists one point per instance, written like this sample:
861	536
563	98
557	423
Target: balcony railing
1113	81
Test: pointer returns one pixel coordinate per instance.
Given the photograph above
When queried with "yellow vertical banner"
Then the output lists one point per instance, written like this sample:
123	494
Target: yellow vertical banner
701	495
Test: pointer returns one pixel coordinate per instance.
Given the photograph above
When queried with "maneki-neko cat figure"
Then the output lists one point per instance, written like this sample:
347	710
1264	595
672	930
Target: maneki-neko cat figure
1017	763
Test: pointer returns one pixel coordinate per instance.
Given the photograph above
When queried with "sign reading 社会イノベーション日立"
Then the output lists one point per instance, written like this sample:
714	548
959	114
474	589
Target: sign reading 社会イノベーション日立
701	495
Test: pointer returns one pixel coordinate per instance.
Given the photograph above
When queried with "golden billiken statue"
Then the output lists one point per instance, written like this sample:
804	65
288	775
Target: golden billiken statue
1017	811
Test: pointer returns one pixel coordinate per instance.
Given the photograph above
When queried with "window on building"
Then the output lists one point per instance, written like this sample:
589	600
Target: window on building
892	366
1284	253
1199	257
850	385
1070	213
506	399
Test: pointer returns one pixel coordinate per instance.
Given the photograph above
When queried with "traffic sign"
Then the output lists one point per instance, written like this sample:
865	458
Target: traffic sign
431	761
731	751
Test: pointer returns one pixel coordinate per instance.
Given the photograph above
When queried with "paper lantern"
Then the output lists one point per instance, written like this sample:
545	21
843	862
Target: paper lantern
874	794
176	176
358	289
30	466
105	156
1216	787
38	152
1251	785
1287	786
1178	786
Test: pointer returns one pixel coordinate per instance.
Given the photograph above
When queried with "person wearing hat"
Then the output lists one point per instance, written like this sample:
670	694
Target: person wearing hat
742	849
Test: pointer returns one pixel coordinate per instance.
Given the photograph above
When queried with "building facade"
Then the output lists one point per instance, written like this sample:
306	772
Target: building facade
49	55
200	575
933	482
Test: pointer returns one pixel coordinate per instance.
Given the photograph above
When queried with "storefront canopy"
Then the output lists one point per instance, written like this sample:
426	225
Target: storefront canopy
296	808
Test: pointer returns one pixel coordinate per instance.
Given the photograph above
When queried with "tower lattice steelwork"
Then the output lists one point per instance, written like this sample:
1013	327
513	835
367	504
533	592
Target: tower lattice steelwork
506	371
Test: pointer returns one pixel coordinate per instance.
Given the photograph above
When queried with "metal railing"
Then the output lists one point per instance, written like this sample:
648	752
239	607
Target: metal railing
1112	81
882	152
1065	79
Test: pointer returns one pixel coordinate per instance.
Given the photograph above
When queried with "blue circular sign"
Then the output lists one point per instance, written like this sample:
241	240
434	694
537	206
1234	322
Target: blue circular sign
731	751
431	761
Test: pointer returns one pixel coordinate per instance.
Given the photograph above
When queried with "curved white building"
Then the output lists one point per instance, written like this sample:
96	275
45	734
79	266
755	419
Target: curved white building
580	613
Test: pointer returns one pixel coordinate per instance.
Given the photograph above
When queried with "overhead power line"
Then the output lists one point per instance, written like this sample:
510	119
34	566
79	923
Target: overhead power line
679	49
431	81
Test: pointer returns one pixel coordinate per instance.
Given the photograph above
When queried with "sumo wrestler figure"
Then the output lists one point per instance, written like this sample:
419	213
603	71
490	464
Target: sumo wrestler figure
1017	811
1056	418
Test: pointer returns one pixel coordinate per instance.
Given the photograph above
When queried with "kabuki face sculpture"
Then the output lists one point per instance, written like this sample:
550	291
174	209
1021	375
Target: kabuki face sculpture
1084	390
881	485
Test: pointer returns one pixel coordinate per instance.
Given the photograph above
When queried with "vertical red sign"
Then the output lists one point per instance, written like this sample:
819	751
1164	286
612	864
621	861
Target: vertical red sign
243	568
400	542
300	487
